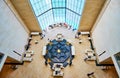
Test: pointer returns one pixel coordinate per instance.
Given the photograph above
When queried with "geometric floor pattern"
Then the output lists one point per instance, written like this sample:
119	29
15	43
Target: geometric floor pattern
58	51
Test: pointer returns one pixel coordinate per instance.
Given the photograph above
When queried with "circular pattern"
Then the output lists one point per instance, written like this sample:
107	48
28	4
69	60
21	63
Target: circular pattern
58	51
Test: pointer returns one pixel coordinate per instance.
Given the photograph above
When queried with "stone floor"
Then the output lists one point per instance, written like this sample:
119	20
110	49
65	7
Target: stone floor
38	69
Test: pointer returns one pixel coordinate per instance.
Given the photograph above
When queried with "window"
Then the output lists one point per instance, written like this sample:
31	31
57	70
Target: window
56	11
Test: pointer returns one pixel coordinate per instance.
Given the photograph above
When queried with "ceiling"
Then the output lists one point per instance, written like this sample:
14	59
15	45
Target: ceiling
90	13
27	15
50	12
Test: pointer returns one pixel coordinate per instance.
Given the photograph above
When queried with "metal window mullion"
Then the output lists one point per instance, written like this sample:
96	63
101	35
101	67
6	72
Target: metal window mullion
58	8
52	11
80	5
73	12
44	12
65	9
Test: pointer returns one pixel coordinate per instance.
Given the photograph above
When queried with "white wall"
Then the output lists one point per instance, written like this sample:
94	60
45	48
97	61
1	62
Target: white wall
13	36
106	35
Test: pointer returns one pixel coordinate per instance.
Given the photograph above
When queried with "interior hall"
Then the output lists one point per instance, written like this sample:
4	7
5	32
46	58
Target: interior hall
59	39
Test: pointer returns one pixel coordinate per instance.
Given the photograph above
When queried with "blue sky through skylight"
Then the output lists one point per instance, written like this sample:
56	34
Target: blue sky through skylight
58	11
